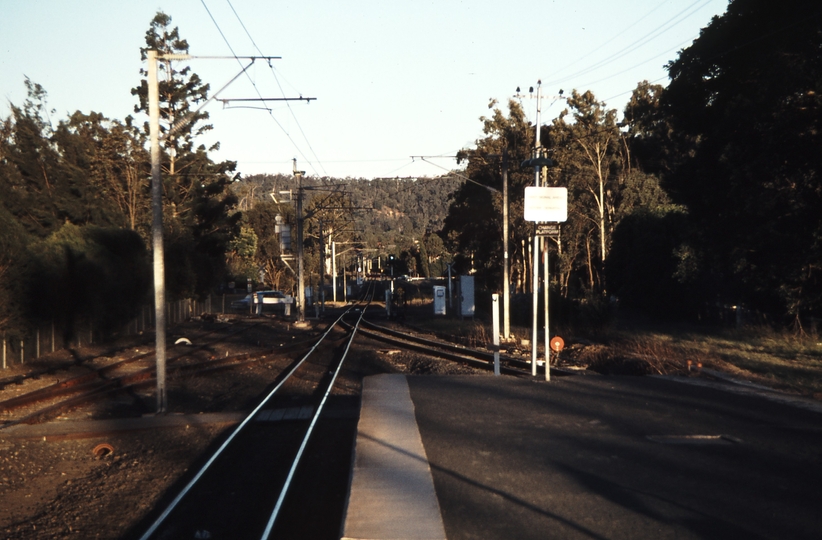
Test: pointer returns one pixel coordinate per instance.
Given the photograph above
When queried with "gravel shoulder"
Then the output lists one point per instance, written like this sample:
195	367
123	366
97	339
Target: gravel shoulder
56	487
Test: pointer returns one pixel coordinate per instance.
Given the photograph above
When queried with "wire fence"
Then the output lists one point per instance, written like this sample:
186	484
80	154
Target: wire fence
50	338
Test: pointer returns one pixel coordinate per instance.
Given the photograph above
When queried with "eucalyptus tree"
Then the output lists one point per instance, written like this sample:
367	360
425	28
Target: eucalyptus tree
586	143
649	130
473	226
37	187
13	259
263	222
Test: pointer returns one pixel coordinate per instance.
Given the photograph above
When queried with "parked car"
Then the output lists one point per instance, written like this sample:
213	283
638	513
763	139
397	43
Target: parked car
269	297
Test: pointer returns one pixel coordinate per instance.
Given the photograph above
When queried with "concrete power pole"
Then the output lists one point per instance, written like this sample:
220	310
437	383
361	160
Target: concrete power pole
506	297
300	265
535	285
157	232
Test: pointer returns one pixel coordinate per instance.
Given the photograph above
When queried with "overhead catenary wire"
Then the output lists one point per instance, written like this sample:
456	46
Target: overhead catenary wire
277	80
650	36
603	44
800	19
259	94
450	171
626	70
680	17
314	161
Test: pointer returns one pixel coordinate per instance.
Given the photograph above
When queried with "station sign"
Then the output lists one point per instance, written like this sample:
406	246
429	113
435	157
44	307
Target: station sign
547	229
546	204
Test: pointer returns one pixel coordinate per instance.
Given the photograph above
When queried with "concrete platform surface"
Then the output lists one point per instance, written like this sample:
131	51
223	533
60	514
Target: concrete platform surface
392	493
609	457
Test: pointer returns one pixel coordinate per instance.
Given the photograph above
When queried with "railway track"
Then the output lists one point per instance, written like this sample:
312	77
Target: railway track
261	479
446	350
79	383
242	489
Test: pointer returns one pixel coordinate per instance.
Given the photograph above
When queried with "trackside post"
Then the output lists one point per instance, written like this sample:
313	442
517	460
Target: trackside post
495	329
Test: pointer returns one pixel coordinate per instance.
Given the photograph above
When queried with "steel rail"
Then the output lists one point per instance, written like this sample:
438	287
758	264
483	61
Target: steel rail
145	377
447	351
450	351
284	491
167	511
95	379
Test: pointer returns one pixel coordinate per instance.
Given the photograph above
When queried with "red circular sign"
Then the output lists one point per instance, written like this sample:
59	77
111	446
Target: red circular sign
557	343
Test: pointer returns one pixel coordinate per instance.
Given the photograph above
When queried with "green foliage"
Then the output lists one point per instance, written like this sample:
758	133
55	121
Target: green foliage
39	189
199	217
643	264
746	143
586	144
91	274
648	129
473	227
179	89
262	221
386	215
110	158
241	256
89	170
74	205
13	263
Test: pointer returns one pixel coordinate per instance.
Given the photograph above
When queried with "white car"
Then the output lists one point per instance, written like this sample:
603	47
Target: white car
269	297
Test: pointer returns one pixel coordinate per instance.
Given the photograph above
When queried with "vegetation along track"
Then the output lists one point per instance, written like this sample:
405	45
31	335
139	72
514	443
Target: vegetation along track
96	379
241	490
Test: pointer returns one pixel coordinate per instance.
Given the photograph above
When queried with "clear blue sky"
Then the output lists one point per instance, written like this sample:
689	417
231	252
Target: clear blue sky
392	79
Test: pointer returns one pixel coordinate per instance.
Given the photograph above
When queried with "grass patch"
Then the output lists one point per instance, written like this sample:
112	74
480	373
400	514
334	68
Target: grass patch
778	359
781	360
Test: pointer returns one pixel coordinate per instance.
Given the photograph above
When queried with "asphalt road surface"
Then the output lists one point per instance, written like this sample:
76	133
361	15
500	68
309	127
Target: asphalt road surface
617	457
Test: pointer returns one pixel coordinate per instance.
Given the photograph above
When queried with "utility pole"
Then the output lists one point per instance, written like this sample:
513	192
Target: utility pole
506	297
540	245
535	287
334	271
152	57
322	271
157	232
300	267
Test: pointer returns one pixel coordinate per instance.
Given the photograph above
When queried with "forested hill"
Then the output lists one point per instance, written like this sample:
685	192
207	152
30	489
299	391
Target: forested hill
389	210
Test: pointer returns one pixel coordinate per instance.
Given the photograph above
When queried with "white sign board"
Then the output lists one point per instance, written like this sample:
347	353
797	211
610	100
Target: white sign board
546	204
439	300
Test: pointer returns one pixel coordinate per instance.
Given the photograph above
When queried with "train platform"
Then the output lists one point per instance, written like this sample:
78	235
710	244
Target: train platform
392	491
478	456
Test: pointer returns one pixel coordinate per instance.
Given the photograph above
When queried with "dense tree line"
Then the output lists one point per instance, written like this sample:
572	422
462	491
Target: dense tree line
707	194
373	218
74	206
744	108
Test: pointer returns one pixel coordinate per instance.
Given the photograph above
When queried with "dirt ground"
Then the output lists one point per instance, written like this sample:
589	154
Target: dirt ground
59	488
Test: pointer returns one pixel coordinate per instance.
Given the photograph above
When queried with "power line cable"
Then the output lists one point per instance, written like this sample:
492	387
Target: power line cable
650	36
253	83
578	60
626	70
277	80
803	18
